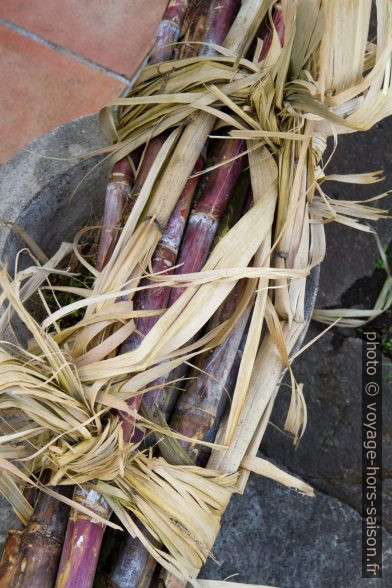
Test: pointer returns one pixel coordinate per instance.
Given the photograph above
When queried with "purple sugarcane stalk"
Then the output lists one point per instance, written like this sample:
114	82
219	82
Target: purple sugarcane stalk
120	196
41	543
82	543
194	30
203	453
204	219
199	235
203	402
218	23
169	30
129	571
118	192
195	247
200	408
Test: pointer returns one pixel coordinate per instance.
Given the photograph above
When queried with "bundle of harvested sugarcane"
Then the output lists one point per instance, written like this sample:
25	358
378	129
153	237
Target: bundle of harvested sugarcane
129	403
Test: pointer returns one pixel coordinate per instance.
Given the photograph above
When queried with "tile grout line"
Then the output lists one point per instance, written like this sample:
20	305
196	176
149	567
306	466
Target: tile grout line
68	52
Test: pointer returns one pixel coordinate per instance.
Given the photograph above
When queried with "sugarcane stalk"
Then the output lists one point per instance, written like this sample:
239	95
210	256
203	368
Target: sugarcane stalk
202	404
12	544
165	255
118	189
204	220
133	554
195	28
210	208
41	543
207	26
195	247
218	22
120	196
164	258
204	453
216	368
169	30
140	567
117	193
83	541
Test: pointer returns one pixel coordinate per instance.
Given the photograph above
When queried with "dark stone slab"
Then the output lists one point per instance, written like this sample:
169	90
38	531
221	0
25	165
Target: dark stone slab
329	454
352	254
276	537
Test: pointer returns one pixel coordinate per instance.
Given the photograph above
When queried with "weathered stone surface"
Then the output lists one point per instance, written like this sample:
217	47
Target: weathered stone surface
329	454
51	192
275	536
37	184
7	518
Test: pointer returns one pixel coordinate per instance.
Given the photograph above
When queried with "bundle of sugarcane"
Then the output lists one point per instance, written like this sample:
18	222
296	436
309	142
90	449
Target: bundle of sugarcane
108	403
21	563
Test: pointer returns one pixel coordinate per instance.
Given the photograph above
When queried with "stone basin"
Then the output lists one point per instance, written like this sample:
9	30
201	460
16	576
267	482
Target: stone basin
36	188
37	183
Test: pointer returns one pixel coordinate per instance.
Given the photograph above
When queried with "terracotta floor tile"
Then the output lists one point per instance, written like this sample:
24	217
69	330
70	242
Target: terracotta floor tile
41	89
113	33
